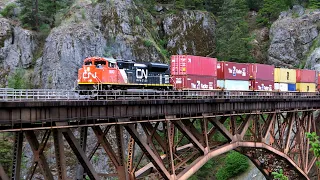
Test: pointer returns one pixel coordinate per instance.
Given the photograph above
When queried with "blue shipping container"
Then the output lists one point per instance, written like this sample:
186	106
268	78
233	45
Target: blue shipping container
292	87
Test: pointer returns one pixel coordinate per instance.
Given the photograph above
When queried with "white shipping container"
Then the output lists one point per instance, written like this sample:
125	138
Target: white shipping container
233	85
281	86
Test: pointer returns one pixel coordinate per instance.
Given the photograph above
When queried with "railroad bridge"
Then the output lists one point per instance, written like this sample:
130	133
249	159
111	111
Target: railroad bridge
167	135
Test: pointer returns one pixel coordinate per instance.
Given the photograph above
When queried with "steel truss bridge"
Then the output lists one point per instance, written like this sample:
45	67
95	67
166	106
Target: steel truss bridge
163	135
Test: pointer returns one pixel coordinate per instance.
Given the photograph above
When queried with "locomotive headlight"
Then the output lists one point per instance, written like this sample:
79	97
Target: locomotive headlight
78	80
88	69
90	80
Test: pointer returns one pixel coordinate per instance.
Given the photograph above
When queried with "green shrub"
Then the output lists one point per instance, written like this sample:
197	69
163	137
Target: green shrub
17	80
147	43
164	52
137	20
236	164
8	10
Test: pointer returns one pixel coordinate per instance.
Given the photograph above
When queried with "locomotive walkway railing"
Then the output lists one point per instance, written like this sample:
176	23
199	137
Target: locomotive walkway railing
133	95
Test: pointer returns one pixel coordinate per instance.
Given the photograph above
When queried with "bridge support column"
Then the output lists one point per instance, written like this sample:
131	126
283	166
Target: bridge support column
122	168
83	144
17	155
78	151
60	155
158	163
39	157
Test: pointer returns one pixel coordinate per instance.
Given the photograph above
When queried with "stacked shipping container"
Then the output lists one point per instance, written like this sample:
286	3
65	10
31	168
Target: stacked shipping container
261	77
232	76
306	80
193	72
284	79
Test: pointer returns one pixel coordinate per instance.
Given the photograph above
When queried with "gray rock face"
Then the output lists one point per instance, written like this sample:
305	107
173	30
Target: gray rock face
63	54
17	46
190	32
313	61
126	31
291	39
114	28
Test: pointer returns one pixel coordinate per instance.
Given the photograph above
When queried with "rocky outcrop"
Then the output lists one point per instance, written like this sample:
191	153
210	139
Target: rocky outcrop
313	61
17	49
190	32
65	49
122	30
292	37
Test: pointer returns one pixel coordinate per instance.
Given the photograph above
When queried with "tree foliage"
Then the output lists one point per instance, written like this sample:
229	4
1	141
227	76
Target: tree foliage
271	10
315	145
236	164
314	4
37	13
233	40
279	175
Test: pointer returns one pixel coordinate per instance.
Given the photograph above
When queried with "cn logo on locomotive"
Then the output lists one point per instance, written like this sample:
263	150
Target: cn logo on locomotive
87	75
142	73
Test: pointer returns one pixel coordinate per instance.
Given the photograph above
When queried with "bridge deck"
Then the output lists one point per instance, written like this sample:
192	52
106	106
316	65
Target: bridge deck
26	108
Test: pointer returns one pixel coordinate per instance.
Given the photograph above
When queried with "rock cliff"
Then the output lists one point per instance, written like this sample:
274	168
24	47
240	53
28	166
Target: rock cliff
117	28
293	37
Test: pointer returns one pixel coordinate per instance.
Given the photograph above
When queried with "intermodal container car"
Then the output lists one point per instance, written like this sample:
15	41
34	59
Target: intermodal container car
282	75
292	87
194	82
232	71
261	85
306	76
281	86
193	65
261	72
233	85
306	87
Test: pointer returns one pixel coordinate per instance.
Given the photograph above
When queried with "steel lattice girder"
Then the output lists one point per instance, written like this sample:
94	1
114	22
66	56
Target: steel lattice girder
178	148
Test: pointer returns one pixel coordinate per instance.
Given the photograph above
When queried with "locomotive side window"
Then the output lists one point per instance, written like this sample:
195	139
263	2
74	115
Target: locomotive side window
99	64
111	65
287	75
87	63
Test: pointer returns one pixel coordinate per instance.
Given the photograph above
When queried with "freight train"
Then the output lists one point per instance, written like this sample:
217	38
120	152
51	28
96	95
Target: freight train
187	72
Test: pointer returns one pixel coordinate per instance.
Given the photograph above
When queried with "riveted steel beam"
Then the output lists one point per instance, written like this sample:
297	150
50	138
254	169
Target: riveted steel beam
17	155
190	136
60	155
83	144
39	157
122	168
158	163
80	154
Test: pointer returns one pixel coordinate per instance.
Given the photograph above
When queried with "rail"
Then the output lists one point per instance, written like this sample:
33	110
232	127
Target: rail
133	95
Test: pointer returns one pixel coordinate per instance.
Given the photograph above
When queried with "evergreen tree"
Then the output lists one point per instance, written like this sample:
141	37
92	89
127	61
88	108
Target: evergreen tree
271	10
314	4
233	40
36	13
254	4
213	5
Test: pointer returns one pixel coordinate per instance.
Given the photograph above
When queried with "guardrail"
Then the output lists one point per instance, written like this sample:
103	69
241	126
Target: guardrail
7	94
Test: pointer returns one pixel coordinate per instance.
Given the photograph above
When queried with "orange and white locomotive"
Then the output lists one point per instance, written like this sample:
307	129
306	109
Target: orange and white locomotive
106	73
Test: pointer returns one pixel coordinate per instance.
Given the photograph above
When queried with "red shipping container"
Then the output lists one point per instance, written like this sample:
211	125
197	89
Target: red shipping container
194	82
232	71
261	72
306	76
261	85
193	65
